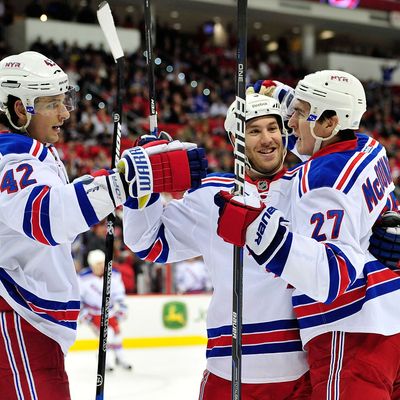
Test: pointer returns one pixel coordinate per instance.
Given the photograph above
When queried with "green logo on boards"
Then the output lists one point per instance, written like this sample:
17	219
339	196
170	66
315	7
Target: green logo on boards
174	315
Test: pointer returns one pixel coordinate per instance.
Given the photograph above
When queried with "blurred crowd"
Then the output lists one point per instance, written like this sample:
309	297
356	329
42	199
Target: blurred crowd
195	83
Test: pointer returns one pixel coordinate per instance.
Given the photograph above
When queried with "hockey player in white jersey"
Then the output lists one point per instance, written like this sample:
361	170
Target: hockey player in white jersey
41	213
273	364
313	230
91	289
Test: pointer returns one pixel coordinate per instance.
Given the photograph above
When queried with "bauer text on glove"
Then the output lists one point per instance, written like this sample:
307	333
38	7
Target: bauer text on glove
267	234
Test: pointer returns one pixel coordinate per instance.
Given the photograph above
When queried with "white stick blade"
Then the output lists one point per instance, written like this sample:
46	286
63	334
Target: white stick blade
107	25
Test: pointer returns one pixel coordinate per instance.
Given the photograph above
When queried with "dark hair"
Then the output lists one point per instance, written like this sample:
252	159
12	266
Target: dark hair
10	106
345	134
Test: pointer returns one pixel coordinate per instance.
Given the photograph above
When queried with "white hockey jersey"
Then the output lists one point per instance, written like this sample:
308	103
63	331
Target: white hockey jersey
40	216
272	350
192	276
91	290
332	202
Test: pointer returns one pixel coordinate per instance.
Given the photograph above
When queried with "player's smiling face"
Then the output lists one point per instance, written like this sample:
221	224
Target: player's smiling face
50	114
264	146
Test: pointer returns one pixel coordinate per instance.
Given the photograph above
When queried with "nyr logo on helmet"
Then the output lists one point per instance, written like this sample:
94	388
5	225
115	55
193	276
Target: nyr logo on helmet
49	62
13	64
339	78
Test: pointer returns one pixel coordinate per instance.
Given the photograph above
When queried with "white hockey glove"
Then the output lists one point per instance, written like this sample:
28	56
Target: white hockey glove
100	184
266	235
122	312
284	94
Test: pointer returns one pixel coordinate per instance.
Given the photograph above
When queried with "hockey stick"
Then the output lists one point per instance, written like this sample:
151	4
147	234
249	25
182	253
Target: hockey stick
107	25
150	68
239	167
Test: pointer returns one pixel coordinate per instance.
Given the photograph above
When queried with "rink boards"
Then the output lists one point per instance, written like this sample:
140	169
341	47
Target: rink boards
155	321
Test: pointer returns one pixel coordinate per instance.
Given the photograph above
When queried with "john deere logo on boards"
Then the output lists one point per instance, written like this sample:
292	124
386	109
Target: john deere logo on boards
174	315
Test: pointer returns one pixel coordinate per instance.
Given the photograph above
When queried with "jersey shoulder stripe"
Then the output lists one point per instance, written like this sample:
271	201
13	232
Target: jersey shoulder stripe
368	149
217	179
292	172
84	272
338	170
14	143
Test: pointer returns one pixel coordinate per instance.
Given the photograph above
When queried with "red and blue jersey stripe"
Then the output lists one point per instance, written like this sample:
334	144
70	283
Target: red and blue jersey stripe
58	312
281	336
222	180
36	223
378	280
340	171
16	143
158	251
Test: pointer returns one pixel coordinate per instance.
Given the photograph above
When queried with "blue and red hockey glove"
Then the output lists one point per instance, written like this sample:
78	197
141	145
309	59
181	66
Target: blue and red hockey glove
385	239
246	220
235	216
160	165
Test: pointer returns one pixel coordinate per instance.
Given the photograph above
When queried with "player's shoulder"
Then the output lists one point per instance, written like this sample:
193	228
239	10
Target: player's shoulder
216	180
18	144
85	273
340	169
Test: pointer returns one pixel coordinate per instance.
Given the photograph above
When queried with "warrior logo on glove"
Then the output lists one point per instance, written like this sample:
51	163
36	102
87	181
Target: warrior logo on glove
161	165
139	170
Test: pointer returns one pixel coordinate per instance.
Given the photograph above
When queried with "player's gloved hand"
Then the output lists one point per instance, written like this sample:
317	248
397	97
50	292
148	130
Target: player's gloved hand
122	312
236	213
284	94
145	139
266	87
162	166
101	182
266	235
385	240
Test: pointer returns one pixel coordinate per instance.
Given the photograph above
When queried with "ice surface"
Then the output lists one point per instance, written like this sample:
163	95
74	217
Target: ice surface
168	373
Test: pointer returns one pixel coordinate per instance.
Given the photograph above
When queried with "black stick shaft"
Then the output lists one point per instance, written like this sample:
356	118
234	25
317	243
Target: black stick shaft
150	67
105	301
239	166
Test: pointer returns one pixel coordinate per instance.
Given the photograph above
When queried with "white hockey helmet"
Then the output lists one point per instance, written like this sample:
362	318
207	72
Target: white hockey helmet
257	105
30	75
336	91
96	256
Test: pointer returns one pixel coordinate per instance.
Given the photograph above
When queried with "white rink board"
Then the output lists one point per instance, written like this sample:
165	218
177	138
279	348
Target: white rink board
157	320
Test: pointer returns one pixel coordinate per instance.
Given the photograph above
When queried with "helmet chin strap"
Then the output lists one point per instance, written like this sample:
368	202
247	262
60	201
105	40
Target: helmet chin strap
22	128
319	139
